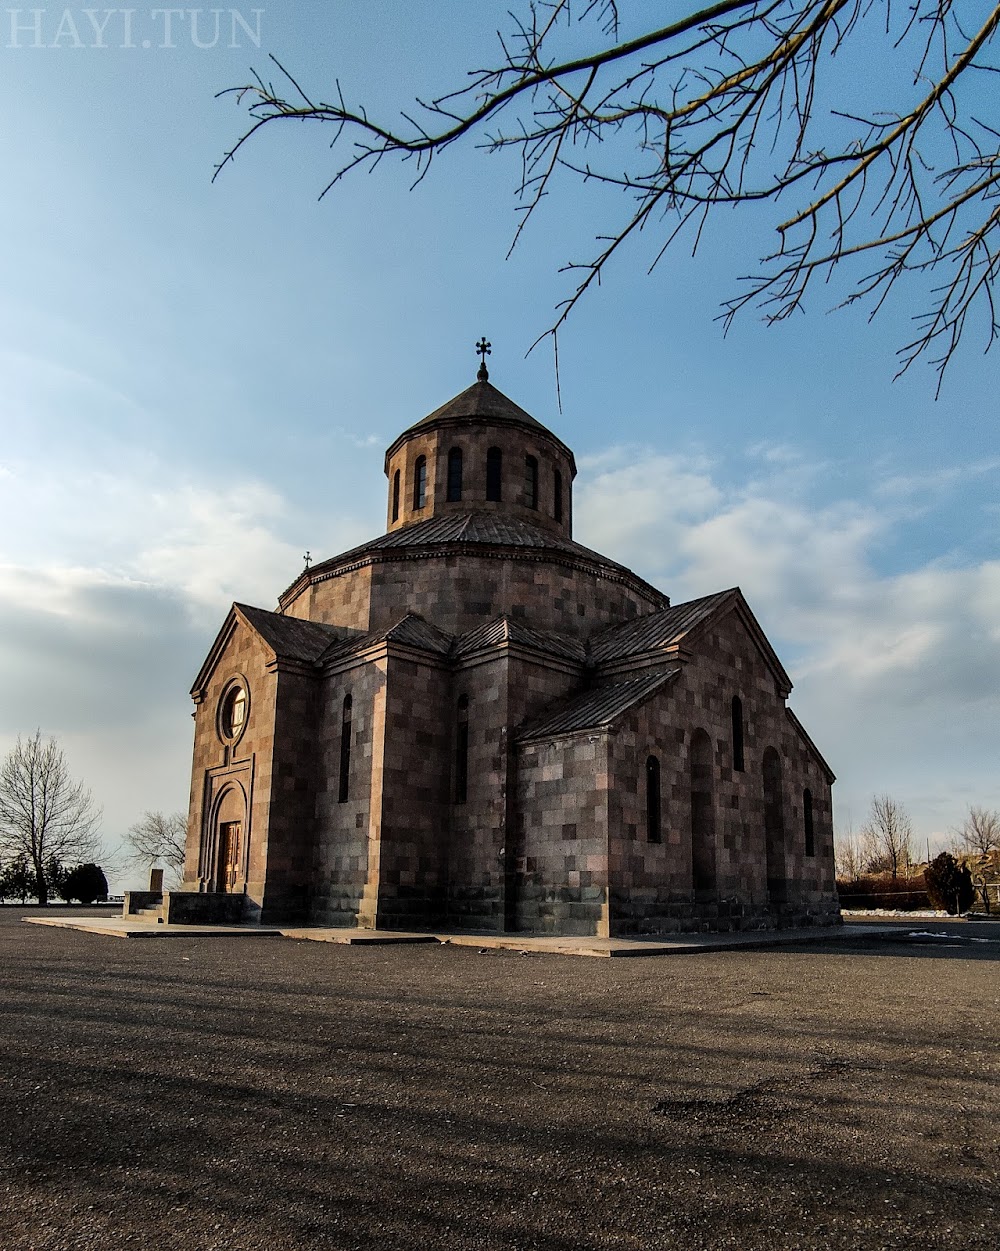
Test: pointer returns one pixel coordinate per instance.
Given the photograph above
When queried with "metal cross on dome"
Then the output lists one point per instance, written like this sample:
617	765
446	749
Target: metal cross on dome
483	348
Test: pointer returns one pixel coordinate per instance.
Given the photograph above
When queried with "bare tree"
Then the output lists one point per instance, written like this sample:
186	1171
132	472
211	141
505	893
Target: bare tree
980	831
45	816
849	855
159	838
888	833
740	104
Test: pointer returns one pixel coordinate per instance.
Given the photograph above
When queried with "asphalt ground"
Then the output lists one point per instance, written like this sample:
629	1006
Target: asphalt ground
282	1095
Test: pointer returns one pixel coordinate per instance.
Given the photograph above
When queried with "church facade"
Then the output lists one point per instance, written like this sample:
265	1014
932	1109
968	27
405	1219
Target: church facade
474	722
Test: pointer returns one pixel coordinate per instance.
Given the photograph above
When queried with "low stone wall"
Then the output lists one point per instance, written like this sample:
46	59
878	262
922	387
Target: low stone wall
638	914
136	900
183	907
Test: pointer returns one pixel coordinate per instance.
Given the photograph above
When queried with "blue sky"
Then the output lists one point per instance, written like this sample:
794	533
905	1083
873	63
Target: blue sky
199	382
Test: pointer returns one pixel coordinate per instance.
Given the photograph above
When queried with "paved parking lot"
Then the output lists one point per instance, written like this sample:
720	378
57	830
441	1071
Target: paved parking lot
288	1095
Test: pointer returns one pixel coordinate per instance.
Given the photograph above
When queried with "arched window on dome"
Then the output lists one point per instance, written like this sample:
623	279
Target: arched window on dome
557	503
494	474
420	482
653	815
531	481
454	474
345	750
395	496
462	751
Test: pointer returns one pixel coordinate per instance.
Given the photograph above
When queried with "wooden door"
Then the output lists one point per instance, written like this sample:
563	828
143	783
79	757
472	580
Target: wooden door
230	845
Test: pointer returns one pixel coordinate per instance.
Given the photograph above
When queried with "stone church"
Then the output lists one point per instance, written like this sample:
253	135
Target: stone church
473	721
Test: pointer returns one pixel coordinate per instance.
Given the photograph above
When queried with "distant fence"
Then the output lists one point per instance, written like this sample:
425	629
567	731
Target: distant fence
898	895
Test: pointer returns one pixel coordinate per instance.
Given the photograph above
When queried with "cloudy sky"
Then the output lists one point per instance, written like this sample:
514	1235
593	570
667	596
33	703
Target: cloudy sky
199	381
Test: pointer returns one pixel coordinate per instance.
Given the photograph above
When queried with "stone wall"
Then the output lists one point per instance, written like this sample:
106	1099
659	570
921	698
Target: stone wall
515	443
348	832
459	591
412	876
561	885
232	782
654	884
289	834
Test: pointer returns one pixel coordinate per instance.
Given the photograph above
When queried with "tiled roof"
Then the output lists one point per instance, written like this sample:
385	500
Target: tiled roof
504	629
473	529
656	630
291	638
410	631
481	400
598	707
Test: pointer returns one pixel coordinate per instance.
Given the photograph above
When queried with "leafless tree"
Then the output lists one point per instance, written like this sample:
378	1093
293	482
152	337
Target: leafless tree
45	815
888	834
159	838
849	855
754	105
979	833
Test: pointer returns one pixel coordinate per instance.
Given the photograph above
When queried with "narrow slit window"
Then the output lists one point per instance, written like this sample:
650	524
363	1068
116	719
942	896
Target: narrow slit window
557	505
462	751
345	750
395	496
807	821
420	482
494	474
653	834
531	481
455	474
739	762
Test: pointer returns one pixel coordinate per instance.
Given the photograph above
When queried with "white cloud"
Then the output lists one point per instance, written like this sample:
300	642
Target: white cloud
897	675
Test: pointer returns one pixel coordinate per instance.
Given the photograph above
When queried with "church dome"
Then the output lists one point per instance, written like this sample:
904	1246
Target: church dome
480	451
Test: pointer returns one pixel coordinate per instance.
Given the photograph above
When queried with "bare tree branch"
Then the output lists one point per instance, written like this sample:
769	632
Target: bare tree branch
737	104
158	838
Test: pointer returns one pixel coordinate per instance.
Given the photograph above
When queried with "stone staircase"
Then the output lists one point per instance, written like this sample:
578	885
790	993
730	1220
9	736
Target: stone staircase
152	915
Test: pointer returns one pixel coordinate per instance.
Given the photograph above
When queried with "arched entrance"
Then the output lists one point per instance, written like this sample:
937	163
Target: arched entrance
774	827
230	842
702	816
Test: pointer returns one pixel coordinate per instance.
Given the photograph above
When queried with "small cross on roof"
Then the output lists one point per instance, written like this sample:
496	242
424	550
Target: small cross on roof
483	348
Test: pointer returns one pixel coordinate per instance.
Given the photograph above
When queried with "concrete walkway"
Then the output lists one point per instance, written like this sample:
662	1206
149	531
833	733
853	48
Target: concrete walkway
606	948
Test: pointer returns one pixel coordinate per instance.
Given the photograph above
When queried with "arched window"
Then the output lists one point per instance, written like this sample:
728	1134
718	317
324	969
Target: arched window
807	821
420	482
455	474
395	496
739	763
494	474
653	799
774	825
557	495
702	814
345	749
462	751
531	481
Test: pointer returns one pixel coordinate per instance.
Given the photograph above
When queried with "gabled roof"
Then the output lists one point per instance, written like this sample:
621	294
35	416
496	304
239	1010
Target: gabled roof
289	638
504	629
664	628
680	624
410	631
597	708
